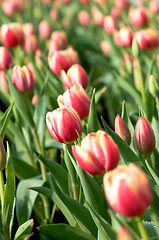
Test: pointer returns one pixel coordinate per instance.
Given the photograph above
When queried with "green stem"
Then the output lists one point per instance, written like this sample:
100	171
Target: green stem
142	229
148	158
44	177
142	89
157	106
1	188
71	171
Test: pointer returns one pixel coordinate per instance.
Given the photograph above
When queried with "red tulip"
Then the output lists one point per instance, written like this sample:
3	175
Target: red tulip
144	136
63	124
138	17
128	190
97	153
122	129
77	98
75	74
22	78
5	58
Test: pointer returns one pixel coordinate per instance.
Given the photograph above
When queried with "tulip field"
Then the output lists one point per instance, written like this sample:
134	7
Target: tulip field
79	119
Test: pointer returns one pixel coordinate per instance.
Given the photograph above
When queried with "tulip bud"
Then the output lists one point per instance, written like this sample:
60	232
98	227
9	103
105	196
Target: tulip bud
128	62
144	136
22	78
63	124
31	43
154	6
8	7
122	129
109	25
12	34
106	47
2	155
28	29
54	14
5	58
44	29
97	153
124	37
121	4
128	190
153	86
77	98
4	82
75	74
97	16
124	234
135	48
58	41
34	99
84	18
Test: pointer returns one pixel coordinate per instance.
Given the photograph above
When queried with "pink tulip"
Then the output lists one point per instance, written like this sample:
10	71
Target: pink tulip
84	18
144	136
77	98
63	124
124	234
138	16
97	153
106	47
28	29
22	78
75	74
97	16
128	190
147	38
44	29
5	58
122	129
109	25
124	37
31	43
154	6
3	82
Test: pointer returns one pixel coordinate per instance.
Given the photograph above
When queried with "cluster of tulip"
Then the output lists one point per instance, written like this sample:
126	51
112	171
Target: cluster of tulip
63	64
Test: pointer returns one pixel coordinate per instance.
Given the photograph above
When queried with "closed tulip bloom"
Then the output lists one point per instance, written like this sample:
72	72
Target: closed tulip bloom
28	29
5	58
75	74
44	29
147	38
8	7
105	47
154	6
31	44
63	124
124	37
22	78
3	82
124	234
144	136
138	16
57	41
12	34
54	14
109	25
58	61
97	16
84	18
121	4
97	153
128	190
77	98
122	129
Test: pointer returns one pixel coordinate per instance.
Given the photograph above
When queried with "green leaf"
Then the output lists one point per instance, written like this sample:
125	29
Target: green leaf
59	173
24	170
126	118
25	198
126	152
150	227
24	229
51	143
56	199
39	118
93	122
5	120
104	227
9	193
153	174
64	231
21	105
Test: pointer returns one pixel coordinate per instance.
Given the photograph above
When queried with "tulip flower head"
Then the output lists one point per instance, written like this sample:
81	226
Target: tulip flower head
23	79
138	16
84	18
3	82
124	234
128	190
144	136
63	124
97	153
12	34
75	74
77	98
5	58
122	129
109	25
44	29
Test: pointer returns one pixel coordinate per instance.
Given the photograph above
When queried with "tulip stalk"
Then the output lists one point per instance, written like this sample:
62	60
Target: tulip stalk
72	172
142	229
44	176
